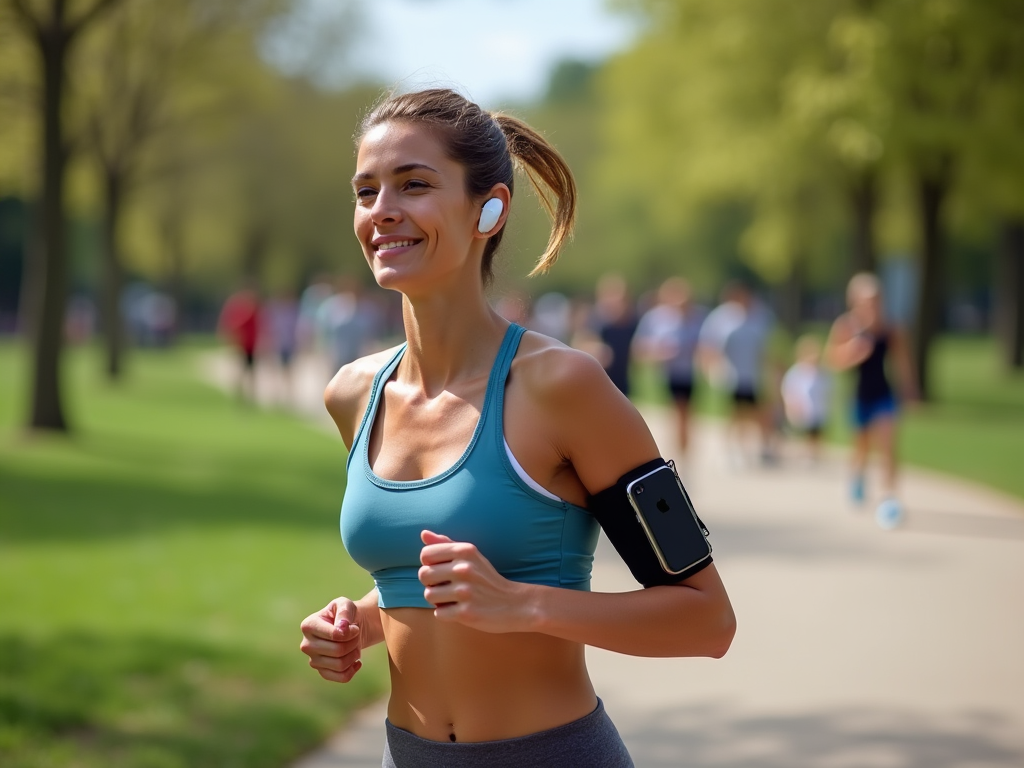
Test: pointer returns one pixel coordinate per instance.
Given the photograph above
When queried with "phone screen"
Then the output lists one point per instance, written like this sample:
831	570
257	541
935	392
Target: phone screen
669	520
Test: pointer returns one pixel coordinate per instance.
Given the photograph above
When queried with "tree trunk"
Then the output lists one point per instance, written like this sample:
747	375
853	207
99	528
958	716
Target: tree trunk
254	250
49	281
864	204
110	311
1009	290
791	297
932	190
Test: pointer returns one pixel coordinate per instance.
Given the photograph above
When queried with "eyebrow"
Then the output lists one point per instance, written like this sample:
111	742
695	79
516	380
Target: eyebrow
397	171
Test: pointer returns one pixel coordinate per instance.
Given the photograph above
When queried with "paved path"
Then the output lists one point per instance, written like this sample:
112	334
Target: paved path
856	648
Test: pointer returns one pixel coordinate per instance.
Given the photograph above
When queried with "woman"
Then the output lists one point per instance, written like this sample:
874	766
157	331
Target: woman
862	340
472	452
668	334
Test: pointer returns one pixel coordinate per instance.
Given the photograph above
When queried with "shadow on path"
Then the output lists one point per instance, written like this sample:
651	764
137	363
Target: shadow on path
711	737
961	524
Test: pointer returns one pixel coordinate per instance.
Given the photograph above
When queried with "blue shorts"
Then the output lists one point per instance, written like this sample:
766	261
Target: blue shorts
867	411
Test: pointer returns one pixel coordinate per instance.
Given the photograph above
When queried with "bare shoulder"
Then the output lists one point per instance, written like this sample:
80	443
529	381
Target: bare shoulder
348	393
593	425
842	329
552	371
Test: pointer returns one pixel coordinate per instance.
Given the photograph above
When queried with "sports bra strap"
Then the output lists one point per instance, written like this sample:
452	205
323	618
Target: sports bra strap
375	390
494	407
493	399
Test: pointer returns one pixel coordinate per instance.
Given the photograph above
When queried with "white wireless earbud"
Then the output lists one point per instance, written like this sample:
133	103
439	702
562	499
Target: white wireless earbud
490	214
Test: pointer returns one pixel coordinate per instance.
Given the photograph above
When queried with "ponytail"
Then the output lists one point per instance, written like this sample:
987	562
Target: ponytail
549	176
488	147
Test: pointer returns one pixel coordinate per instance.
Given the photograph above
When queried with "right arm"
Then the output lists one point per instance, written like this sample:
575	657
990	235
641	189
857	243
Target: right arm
334	637
845	348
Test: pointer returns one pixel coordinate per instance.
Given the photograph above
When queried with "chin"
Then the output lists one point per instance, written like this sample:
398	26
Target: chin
393	278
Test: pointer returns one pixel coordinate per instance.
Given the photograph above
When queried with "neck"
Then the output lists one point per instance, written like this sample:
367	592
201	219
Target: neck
452	335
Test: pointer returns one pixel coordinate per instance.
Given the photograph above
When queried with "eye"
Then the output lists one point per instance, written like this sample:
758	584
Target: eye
416	184
365	193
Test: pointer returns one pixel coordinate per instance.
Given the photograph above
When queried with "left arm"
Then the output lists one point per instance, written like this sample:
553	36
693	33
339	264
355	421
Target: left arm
904	364
600	433
693	618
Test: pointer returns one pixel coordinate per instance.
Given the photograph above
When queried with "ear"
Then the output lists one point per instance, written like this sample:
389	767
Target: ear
500	192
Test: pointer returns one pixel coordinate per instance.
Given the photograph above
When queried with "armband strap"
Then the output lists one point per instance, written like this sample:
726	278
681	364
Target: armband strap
612	510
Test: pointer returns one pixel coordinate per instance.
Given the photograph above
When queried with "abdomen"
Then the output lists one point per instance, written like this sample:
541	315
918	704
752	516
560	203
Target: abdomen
449	679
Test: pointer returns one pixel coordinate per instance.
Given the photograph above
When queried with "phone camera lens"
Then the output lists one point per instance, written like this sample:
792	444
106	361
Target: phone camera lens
639	490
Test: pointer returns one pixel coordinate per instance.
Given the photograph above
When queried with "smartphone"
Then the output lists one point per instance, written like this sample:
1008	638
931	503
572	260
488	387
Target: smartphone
664	511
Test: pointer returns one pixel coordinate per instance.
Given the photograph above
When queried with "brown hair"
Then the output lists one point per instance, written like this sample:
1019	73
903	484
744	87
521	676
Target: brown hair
489	146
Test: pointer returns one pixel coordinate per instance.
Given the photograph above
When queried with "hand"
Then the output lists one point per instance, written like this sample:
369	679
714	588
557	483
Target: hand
465	588
331	639
858	348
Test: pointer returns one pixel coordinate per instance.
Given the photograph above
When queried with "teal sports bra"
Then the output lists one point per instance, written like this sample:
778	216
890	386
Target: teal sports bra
481	499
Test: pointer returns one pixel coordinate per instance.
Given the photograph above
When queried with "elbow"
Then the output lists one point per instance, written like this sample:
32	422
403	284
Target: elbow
725	630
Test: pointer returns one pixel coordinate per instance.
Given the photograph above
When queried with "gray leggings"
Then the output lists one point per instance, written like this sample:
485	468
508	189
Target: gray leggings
591	741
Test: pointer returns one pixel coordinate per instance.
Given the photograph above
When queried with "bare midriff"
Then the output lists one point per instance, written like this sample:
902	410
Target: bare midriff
453	683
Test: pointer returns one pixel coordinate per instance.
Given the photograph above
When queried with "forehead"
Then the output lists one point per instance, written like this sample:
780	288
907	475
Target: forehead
395	144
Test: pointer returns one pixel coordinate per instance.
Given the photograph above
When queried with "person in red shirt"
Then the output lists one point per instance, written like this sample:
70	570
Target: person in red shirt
240	324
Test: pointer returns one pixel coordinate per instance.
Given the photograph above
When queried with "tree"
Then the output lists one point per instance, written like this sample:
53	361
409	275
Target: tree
759	102
155	71
793	106
53	31
938	68
991	189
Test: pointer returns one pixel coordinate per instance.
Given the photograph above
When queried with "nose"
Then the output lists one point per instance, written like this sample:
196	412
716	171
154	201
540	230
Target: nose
385	208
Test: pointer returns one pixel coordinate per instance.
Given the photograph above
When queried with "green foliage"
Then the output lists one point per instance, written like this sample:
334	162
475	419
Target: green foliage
153	572
790	106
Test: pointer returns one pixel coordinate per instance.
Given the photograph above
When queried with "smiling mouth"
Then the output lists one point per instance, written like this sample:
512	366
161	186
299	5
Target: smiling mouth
396	244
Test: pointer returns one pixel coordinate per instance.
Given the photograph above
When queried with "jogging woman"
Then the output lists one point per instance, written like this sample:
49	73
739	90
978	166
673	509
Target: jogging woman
863	341
473	448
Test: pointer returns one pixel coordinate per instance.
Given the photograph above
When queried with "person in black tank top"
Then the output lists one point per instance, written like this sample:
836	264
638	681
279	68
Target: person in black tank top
872	382
484	606
862	341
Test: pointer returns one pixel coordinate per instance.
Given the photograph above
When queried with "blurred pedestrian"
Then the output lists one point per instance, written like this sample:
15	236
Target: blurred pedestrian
283	328
806	390
315	294
240	324
159	315
863	340
348	322
668	334
552	316
731	348
614	323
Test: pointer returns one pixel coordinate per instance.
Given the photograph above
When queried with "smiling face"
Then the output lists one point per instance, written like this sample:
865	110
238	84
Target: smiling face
413	218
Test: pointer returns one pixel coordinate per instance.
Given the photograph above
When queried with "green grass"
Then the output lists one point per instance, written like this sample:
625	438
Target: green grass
974	428
154	568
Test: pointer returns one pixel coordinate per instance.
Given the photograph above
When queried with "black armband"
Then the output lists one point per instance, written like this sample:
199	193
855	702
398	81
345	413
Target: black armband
614	512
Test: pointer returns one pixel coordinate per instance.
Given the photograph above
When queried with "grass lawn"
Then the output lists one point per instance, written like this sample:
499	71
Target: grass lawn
154	568
974	428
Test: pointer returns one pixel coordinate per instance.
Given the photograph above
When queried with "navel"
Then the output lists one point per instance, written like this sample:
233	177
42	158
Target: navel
451	728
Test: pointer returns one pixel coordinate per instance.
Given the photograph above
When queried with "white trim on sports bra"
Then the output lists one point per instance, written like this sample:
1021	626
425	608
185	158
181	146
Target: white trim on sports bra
525	477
